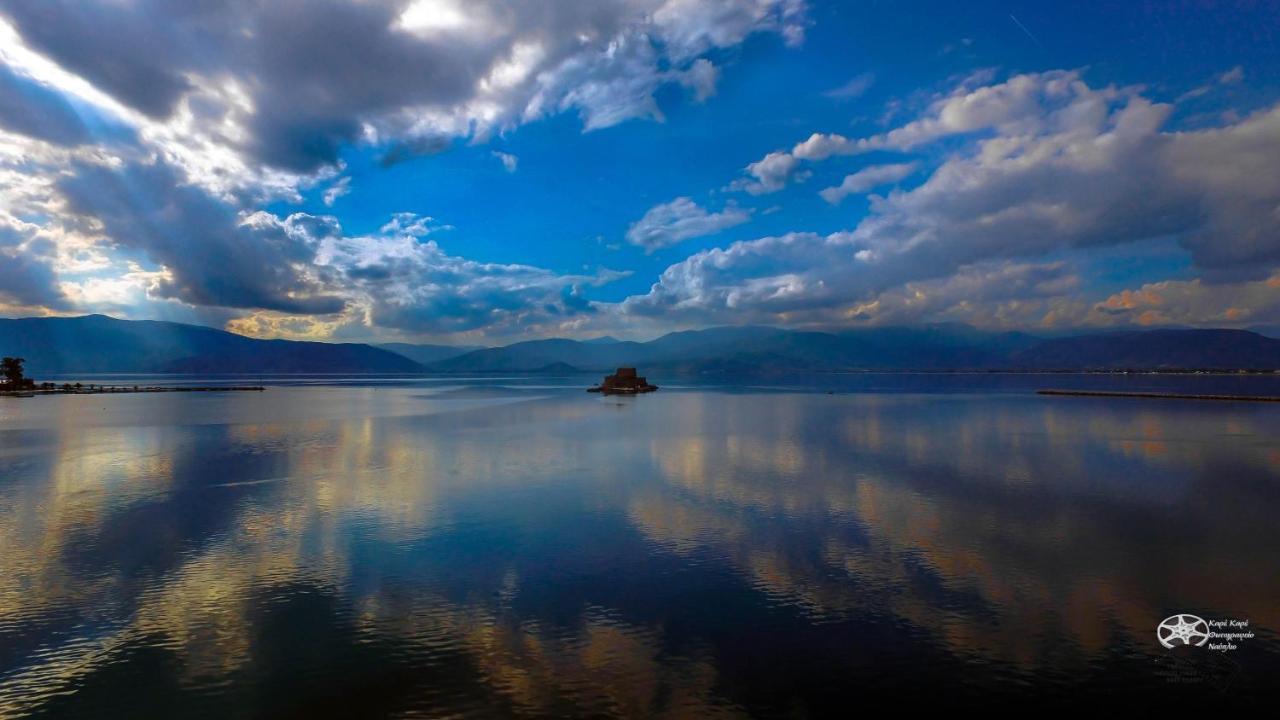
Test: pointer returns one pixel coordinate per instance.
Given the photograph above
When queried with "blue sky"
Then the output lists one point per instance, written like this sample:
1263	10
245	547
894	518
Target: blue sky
488	171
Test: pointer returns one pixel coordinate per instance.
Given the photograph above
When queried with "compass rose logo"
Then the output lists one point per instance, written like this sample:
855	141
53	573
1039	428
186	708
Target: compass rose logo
1178	630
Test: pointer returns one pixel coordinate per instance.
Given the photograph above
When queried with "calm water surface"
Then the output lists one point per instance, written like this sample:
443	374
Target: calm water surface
517	547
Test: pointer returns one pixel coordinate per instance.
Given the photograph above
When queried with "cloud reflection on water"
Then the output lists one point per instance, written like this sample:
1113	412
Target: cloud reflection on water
564	555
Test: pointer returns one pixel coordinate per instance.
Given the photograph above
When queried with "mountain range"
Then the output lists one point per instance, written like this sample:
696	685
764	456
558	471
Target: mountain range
96	343
932	347
427	354
99	344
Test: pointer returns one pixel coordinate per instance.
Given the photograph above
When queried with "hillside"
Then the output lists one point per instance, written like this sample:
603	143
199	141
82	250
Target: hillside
99	344
1155	349
425	354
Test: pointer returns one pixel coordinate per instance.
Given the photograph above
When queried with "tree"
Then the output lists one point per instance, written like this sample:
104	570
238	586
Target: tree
12	369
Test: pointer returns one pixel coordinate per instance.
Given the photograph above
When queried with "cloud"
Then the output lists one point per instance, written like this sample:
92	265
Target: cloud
28	279
268	77
509	161
414	148
681	219
607	87
701	78
130	236
1091	167
751	280
767	175
1231	77
1192	302
693	27
340	187
1019	105
213	254
992	294
1055	167
400	280
142	138
37	111
148	162
855	88
865	179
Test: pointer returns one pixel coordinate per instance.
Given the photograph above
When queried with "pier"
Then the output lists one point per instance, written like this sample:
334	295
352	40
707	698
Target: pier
81	389
1161	395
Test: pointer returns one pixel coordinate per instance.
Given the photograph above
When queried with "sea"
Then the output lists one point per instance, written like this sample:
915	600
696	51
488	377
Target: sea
512	546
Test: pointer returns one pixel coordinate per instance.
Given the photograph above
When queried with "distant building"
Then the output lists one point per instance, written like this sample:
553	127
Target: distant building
624	382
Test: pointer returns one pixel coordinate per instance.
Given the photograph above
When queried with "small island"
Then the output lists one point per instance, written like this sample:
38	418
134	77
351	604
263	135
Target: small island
624	382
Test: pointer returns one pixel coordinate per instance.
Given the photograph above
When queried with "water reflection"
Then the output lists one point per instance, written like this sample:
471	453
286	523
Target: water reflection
686	554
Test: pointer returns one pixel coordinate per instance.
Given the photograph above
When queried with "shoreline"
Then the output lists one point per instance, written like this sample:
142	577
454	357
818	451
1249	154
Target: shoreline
61	377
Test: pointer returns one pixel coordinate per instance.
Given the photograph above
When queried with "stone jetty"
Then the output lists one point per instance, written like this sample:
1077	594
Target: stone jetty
82	389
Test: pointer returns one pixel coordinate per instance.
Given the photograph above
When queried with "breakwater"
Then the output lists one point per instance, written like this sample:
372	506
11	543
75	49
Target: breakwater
1161	395
117	389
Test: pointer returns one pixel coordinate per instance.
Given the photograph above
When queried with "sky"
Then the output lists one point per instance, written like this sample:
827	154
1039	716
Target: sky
489	171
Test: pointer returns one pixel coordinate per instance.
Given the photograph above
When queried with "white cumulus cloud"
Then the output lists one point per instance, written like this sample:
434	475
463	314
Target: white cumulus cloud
1057	168
866	179
681	219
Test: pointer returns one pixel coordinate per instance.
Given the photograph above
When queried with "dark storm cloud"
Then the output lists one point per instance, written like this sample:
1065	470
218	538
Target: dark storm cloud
130	50
319	67
317	72
27	276
31	109
403	151
312	68
27	280
214	257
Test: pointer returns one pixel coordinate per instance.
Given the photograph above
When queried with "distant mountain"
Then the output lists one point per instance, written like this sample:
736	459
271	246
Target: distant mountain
428	353
533	355
768	350
99	344
1271	331
1155	349
602	340
558	369
675	347
761	349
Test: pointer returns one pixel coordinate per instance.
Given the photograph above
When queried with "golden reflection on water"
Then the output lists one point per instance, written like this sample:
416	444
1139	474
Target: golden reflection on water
323	475
1043	519
1049	570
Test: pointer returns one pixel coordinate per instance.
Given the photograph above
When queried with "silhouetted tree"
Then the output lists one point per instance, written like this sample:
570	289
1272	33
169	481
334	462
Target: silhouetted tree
12	369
